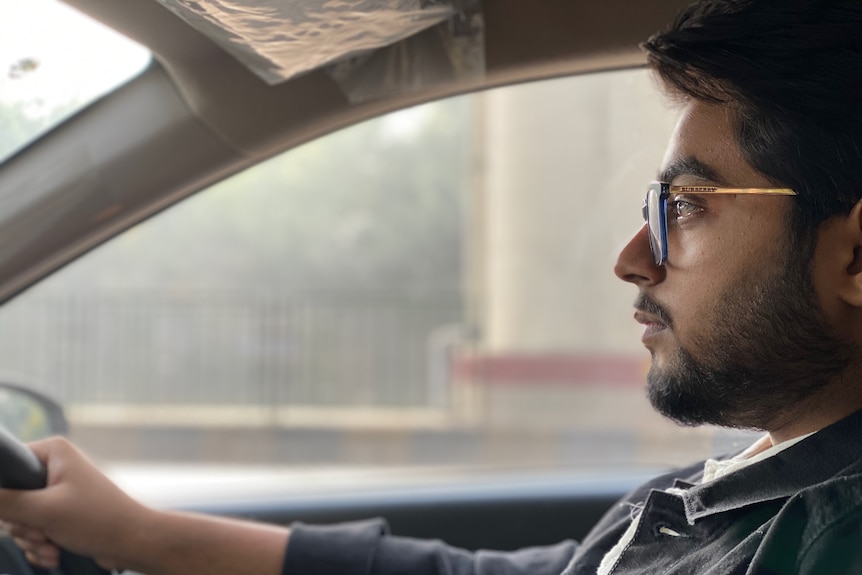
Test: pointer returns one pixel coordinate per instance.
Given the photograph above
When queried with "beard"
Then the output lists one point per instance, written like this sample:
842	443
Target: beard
770	349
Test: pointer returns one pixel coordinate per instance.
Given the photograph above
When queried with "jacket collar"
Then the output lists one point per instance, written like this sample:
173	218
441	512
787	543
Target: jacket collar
832	451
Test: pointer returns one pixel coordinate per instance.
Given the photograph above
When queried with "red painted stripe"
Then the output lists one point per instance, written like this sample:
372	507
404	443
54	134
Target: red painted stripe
567	369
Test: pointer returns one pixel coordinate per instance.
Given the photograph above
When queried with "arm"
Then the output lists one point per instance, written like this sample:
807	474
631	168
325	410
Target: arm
83	511
366	548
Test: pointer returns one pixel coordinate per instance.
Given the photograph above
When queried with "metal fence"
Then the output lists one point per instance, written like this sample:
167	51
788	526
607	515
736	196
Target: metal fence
313	349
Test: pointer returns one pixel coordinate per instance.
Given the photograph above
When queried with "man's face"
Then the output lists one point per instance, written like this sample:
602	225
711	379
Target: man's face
732	319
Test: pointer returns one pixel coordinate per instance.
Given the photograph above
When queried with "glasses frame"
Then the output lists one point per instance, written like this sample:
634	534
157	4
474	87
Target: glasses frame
655	209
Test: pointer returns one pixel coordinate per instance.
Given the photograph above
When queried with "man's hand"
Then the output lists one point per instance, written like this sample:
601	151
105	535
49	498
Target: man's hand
83	511
80	509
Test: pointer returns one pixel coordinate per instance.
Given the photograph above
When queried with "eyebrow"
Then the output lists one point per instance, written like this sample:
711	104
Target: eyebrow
689	166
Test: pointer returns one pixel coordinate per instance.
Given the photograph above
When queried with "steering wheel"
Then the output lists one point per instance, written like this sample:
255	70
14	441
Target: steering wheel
21	469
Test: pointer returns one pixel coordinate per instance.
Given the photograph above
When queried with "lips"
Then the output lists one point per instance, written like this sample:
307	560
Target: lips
653	326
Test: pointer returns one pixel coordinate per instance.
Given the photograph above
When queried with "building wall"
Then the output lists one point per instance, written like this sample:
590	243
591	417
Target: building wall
556	216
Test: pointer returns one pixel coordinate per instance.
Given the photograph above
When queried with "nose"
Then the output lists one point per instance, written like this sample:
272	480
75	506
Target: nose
636	264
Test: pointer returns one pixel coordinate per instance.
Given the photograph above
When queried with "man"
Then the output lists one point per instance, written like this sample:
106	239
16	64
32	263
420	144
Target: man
749	277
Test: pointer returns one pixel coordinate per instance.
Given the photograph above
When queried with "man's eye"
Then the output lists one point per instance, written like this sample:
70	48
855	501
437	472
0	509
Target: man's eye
680	209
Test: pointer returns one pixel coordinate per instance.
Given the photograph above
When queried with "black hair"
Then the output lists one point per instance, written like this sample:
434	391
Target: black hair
791	70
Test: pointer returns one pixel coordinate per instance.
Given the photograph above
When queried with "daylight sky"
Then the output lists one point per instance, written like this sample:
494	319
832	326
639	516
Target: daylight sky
51	54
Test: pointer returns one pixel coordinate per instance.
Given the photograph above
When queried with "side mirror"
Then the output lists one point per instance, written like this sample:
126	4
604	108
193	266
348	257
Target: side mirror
29	415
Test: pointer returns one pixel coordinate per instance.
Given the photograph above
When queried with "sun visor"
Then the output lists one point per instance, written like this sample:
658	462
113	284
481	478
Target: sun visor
372	48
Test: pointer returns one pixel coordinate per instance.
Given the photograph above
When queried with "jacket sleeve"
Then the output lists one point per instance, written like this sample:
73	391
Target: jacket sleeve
366	548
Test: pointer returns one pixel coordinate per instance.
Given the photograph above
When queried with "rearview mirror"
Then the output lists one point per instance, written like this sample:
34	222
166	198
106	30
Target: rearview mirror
29	415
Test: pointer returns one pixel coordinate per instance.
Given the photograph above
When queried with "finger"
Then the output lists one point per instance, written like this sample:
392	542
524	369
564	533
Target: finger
18	531
34	544
40	549
45	448
44	558
56	453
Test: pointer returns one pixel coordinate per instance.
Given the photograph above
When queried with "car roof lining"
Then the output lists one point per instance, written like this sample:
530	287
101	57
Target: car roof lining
280	40
524	41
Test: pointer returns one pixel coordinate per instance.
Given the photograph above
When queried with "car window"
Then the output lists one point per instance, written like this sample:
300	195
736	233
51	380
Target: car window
425	295
55	61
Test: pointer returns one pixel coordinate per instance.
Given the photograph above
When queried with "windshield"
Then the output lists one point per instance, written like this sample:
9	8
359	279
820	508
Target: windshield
55	61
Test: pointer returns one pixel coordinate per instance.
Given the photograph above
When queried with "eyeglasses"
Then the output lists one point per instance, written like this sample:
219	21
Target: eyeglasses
655	209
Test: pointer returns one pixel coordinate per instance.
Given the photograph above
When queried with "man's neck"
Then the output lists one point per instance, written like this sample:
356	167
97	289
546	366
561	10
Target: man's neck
833	403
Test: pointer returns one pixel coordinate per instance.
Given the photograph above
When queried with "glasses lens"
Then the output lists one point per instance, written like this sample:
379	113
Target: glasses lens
655	223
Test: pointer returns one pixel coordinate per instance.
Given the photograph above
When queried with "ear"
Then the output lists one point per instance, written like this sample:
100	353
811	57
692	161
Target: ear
840	243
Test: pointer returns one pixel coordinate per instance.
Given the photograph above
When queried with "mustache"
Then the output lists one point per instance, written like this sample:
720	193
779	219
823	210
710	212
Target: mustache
647	305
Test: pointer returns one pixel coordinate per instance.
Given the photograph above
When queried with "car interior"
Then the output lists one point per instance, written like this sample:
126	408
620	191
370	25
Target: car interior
210	105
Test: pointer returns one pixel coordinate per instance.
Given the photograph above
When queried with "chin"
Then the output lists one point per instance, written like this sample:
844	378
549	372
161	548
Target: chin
689	399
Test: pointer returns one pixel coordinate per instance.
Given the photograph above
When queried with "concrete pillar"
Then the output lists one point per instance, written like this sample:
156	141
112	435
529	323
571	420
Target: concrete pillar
566	166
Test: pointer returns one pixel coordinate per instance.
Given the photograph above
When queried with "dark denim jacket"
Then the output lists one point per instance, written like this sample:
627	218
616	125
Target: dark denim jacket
797	512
